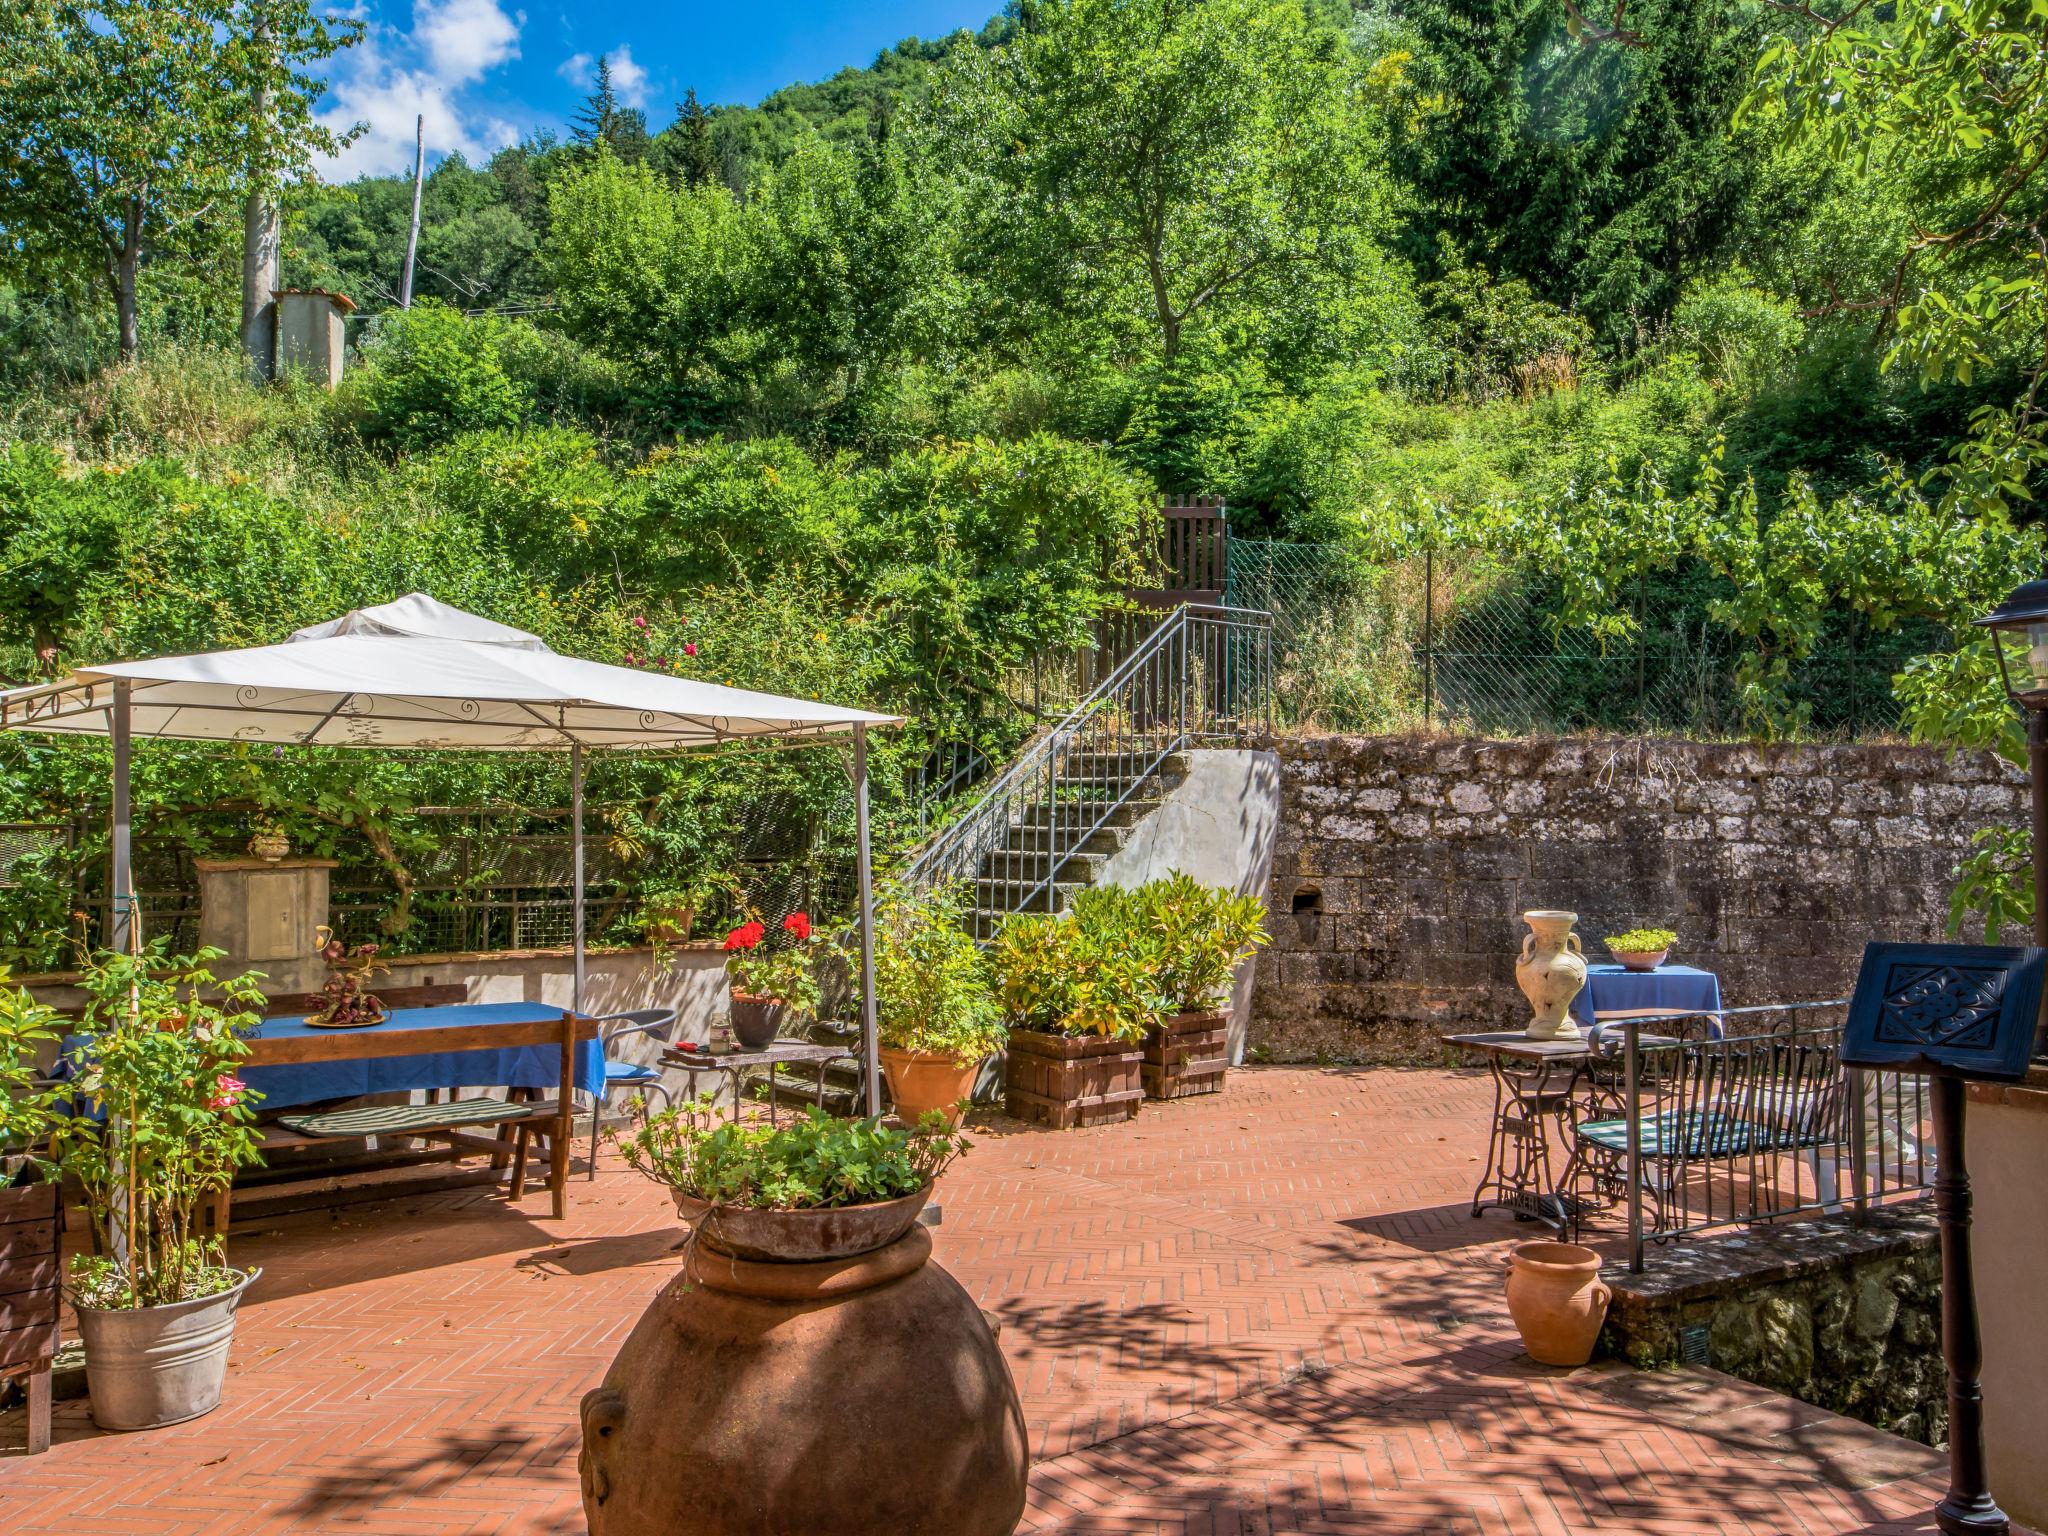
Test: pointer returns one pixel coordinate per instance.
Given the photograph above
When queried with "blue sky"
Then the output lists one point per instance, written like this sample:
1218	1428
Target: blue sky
486	72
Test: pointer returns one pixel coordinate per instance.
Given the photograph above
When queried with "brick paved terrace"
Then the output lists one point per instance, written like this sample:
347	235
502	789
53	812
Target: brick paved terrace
1266	1311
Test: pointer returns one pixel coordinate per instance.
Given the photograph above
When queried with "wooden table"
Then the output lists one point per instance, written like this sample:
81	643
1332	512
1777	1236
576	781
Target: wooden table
426	1032
1535	1082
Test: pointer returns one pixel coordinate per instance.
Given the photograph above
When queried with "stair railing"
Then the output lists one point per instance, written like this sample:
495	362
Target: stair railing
1204	675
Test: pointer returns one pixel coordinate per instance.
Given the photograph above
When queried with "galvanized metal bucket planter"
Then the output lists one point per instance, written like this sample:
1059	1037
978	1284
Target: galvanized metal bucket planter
151	1366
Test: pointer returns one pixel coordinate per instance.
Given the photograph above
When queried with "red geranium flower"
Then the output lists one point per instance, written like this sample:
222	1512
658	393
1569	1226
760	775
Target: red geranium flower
746	936
798	924
689	647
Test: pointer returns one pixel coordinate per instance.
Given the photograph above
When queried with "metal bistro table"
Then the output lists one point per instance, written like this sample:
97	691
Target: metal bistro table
1534	1083
737	1064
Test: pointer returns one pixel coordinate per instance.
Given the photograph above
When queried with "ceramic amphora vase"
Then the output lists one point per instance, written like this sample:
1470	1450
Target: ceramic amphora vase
1558	1301
1550	973
845	1397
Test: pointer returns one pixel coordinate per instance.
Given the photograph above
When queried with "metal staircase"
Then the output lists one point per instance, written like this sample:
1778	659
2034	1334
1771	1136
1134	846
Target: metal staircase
1202	677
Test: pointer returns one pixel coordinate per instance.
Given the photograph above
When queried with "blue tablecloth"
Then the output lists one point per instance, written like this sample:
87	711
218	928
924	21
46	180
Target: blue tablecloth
530	1066
1669	989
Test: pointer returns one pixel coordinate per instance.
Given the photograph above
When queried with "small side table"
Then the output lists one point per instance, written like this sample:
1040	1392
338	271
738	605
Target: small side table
738	1064
1534	1083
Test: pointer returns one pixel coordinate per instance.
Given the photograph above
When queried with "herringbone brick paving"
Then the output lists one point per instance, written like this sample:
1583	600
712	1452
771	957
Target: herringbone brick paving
1265	1311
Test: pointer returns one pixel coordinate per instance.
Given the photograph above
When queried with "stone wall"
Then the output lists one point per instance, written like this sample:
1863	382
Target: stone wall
1844	1317
1401	864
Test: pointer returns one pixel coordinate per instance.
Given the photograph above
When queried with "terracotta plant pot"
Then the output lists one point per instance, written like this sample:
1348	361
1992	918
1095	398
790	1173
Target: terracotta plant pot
1640	959
923	1081
784	1237
1558	1301
755	1020
733	1407
671	925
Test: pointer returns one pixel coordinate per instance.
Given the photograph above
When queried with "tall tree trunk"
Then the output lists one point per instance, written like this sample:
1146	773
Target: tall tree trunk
260	278
126	270
259	231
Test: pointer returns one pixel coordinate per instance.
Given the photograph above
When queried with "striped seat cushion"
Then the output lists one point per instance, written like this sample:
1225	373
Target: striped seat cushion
402	1119
1708	1135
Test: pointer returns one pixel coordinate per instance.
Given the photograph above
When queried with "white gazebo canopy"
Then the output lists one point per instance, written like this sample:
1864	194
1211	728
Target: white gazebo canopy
418	674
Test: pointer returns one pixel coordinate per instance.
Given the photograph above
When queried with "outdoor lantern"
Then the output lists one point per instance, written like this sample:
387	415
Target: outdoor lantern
2019	634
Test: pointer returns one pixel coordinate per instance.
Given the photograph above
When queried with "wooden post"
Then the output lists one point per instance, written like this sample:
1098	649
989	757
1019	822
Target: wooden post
412	234
564	1126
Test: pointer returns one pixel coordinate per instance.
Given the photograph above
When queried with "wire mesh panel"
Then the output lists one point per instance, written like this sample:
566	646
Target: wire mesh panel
1462	642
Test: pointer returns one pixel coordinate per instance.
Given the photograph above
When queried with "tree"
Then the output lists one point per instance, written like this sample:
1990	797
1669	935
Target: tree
127	132
1594	162
1164	158
1948	104
601	120
644	271
696	159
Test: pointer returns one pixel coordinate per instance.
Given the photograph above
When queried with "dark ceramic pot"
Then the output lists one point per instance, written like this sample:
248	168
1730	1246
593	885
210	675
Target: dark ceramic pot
755	1020
727	1411
781	1237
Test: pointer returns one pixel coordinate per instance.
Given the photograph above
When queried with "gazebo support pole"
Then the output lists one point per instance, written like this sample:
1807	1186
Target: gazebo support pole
121	873
576	860
871	1067
121	935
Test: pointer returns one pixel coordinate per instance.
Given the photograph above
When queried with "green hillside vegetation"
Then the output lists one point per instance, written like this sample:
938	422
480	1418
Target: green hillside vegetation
866	391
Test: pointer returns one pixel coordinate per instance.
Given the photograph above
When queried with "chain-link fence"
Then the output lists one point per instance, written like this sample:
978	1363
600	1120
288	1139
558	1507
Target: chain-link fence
1464	643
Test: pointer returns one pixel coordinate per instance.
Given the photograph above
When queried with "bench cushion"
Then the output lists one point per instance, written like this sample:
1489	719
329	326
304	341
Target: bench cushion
410	1119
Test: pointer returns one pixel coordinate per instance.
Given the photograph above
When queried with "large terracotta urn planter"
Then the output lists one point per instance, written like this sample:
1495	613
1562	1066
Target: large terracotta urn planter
1186	1054
1550	973
923	1081
1063	1081
1558	1301
844	1397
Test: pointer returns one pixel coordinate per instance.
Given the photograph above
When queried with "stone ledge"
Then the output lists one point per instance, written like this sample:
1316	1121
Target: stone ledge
1732	1261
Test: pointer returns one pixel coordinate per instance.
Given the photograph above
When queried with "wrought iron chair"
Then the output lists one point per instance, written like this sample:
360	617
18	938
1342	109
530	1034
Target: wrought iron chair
664	1022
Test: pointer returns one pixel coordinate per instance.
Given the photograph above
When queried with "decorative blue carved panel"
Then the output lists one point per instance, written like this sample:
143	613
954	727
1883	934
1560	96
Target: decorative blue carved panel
1970	1009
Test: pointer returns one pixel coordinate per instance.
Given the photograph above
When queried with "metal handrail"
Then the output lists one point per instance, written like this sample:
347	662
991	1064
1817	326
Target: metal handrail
1203	673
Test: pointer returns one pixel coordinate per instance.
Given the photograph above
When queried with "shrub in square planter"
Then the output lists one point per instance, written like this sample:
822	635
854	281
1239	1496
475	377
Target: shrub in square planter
1078	1004
1185	1054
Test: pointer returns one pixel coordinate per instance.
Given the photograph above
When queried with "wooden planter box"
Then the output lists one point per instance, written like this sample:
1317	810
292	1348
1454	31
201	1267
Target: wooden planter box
29	1269
1186	1054
1064	1081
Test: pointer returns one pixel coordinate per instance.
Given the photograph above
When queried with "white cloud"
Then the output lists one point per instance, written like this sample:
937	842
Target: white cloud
393	76
629	79
462	39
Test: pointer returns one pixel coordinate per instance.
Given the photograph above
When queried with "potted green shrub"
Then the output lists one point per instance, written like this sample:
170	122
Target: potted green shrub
167	1125
936	1012
1641	949
774	980
30	1211
1078	996
1195	937
669	909
806	1286
815	1189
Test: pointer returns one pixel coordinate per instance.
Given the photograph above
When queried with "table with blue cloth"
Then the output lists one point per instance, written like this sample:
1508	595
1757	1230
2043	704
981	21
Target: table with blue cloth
1667	989
394	1062
467	1045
